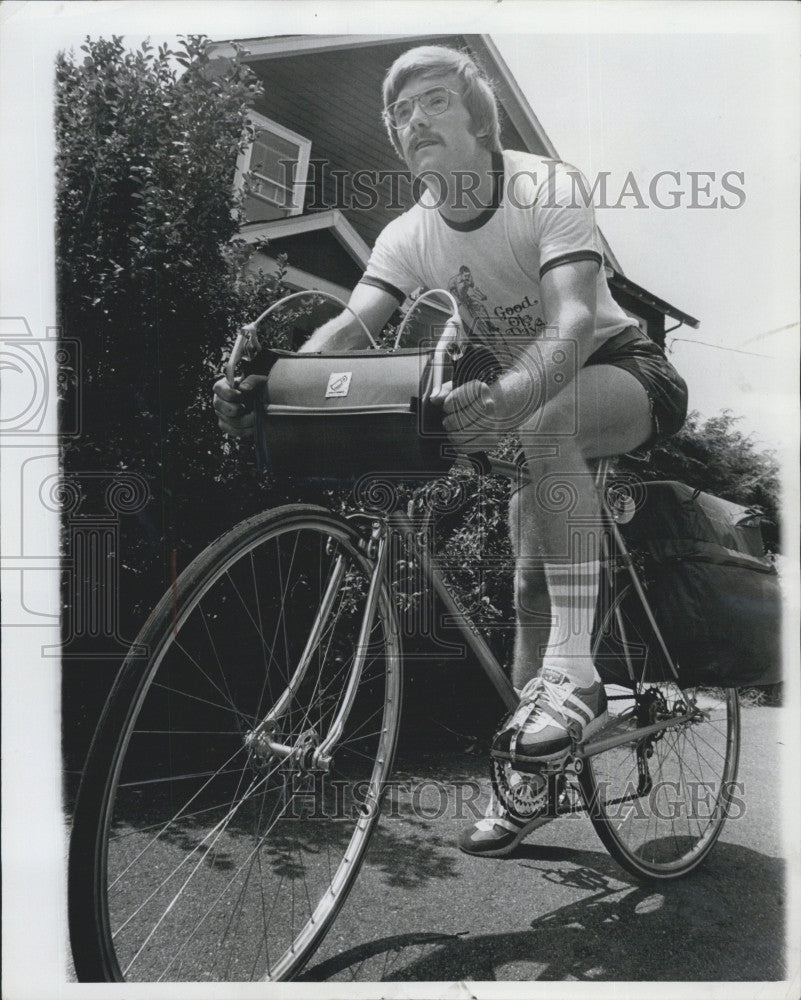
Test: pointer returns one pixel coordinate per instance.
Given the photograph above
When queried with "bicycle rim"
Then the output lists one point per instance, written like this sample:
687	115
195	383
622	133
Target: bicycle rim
198	852
660	802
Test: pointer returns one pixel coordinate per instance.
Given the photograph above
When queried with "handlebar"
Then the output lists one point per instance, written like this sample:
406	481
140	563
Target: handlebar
247	340
247	337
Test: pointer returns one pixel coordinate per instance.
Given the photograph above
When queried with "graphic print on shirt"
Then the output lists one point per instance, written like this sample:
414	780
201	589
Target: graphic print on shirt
509	322
471	301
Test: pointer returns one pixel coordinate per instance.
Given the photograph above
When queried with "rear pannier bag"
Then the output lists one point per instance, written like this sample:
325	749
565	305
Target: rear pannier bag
713	591
343	416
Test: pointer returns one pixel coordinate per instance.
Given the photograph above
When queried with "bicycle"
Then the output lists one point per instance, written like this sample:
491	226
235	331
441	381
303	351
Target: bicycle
272	685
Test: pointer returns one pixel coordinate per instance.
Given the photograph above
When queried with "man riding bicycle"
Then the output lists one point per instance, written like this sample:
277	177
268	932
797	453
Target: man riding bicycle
517	227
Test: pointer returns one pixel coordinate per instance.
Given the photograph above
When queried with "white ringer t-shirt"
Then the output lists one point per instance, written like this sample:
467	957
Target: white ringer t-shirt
541	216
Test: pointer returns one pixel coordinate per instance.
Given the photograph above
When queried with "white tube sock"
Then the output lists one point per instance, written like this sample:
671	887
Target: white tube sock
573	590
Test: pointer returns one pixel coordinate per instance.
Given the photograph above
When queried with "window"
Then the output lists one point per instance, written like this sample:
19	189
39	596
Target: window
272	171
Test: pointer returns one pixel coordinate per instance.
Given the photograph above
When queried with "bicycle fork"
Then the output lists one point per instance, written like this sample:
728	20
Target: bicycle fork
309	752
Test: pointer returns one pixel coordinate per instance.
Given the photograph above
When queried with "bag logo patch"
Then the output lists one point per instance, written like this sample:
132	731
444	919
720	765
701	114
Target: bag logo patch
338	384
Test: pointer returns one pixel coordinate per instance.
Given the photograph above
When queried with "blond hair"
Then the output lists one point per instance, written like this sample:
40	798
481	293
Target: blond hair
474	86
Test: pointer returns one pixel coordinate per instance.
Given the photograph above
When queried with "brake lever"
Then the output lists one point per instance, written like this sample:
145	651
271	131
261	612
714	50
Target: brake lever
450	337
247	342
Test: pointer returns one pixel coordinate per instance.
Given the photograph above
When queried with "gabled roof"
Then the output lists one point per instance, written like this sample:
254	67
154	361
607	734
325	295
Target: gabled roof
649	300
333	220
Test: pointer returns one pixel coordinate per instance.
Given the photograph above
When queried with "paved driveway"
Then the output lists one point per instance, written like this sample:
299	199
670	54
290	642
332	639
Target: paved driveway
560	908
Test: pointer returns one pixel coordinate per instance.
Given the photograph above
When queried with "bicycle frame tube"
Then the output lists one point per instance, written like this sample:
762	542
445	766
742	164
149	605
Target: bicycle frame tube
602	744
399	521
635	582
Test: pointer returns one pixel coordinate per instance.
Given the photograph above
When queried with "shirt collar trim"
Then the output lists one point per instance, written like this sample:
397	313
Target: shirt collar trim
496	200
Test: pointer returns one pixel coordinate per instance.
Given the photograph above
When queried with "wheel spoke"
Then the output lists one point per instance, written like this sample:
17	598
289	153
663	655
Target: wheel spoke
666	832
212	855
663	833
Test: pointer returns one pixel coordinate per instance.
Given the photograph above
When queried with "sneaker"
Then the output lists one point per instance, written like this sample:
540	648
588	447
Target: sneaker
553	713
499	832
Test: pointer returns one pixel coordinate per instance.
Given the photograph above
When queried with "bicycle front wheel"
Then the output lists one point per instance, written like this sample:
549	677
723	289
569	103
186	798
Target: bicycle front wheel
208	843
659	801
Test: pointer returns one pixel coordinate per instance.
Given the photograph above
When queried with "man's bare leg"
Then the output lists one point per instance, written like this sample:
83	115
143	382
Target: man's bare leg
555	519
557	524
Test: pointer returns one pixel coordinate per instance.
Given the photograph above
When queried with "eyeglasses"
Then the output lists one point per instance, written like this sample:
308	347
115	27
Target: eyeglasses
432	102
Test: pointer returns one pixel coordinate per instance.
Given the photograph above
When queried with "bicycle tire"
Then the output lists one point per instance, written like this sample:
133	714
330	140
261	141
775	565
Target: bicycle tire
193	854
659	803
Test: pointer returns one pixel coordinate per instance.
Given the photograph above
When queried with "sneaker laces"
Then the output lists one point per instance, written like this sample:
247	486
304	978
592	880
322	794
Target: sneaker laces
551	692
540	692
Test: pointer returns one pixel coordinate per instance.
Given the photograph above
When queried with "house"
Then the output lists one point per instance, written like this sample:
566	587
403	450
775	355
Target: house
320	139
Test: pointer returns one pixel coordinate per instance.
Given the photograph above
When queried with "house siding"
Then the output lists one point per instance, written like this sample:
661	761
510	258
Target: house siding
319	253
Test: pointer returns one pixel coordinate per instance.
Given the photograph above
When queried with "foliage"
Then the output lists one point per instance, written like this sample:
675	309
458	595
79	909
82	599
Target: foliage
144	164
152	281
478	557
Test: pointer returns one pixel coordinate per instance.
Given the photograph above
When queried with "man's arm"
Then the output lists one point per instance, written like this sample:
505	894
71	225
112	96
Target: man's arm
477	416
372	305
342	333
568	294
569	299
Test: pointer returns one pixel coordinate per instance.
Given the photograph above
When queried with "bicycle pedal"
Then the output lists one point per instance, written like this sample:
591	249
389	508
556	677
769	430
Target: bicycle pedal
542	766
569	799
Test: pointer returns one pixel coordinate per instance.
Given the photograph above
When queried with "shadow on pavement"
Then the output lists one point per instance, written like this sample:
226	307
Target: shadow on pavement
724	922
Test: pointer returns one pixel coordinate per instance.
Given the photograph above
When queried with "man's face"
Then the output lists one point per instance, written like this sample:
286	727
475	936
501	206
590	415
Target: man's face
442	142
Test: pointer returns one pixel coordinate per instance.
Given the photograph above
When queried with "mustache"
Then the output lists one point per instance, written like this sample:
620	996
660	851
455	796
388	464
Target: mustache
428	137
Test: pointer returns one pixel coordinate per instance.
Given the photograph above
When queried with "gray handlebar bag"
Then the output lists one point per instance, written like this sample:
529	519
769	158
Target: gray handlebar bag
339	417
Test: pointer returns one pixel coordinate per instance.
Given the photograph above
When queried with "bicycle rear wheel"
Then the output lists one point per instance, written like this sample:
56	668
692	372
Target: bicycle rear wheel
659	802
199	850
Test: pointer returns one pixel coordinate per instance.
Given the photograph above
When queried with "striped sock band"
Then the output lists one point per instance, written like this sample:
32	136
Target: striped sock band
573	590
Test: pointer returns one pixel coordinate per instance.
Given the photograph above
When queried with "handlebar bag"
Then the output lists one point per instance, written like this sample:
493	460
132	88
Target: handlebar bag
713	591
338	417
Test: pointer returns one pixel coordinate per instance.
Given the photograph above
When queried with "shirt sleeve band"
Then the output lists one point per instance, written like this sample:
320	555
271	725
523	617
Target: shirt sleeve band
385	286
571	258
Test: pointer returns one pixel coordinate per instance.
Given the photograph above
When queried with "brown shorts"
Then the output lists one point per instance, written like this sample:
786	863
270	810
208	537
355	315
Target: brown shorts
632	351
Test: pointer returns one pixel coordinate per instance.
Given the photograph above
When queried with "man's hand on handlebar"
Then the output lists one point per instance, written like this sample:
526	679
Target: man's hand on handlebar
234	407
472	417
